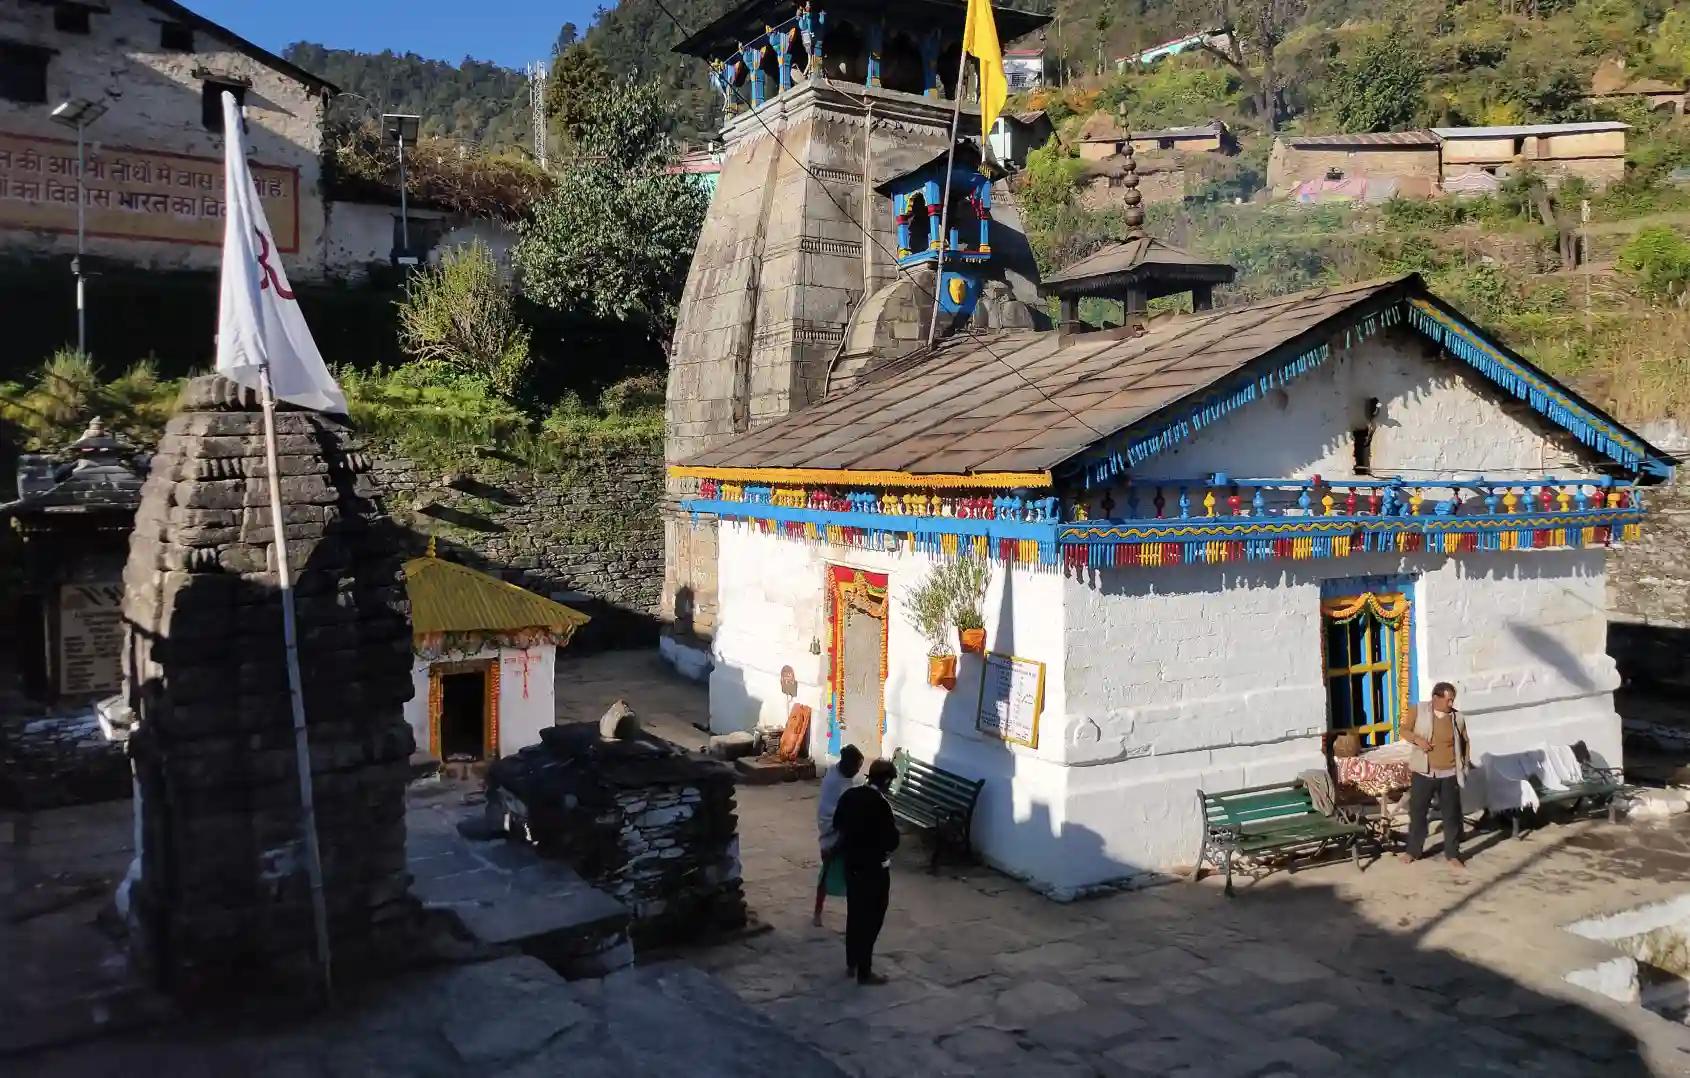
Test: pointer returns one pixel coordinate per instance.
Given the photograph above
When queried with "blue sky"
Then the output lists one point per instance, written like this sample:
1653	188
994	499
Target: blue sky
509	32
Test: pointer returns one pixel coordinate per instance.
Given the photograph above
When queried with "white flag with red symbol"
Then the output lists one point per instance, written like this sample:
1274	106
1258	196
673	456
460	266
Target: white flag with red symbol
259	322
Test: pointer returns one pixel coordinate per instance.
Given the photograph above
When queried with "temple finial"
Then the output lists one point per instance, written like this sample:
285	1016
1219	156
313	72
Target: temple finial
431	546
1131	198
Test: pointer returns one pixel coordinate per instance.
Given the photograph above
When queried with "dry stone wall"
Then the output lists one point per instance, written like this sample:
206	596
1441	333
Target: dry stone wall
1649	583
587	534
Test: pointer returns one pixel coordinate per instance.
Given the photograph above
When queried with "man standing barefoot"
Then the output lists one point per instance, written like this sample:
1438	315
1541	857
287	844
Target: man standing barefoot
867	837
1439	762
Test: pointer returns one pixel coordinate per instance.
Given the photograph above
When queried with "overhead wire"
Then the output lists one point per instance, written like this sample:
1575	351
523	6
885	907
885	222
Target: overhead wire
973	334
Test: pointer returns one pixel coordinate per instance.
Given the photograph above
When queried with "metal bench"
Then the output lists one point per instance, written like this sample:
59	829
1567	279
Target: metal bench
1252	825
1596	791
934	800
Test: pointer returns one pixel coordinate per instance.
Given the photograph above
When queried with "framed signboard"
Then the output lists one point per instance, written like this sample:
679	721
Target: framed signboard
1012	695
90	638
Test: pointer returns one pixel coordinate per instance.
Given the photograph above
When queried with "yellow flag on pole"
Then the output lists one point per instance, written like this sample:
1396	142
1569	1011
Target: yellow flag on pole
980	40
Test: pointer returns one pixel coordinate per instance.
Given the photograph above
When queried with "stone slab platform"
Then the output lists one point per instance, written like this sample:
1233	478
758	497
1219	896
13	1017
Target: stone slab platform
512	1016
503	893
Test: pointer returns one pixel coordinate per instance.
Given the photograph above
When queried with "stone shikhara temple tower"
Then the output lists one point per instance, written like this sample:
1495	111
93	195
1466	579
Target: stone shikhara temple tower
221	899
825	103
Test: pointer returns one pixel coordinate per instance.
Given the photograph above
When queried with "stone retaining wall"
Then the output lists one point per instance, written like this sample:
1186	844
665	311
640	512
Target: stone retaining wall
1649	582
587	534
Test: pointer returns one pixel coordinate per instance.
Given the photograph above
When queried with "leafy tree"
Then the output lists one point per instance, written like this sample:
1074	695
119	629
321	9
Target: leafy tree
1380	88
578	81
567	35
460	314
614	240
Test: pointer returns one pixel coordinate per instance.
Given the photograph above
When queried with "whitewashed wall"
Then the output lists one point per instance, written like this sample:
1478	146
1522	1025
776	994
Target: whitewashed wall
154	99
360	236
773	613
1209	677
525	708
1437	417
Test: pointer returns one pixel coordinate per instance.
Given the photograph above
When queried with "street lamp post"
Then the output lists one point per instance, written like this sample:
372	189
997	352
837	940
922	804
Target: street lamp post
79	113
400	128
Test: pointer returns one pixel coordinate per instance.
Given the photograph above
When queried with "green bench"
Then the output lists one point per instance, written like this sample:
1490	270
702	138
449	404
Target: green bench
934	800
1262	822
1596	791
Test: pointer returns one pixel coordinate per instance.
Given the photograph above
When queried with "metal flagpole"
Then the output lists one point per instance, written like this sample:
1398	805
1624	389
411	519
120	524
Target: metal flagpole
296	690
945	205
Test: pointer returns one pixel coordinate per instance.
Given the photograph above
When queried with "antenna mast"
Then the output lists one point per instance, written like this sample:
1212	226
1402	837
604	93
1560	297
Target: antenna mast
537	103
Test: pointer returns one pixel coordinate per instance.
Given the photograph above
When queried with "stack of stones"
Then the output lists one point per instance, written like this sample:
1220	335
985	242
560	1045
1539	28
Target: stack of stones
63	759
648	823
221	900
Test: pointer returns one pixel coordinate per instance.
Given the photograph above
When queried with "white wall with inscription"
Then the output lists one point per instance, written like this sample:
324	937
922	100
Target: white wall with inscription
154	176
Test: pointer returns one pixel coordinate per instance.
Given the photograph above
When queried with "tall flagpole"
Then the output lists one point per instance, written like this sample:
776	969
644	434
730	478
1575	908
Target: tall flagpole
296	689
945	205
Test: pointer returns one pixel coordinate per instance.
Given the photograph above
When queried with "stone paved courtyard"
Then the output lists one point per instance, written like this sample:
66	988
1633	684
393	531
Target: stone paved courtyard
1395	970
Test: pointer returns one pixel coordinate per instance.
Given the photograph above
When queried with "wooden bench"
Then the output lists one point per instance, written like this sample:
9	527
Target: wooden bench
1254	824
934	800
1598	787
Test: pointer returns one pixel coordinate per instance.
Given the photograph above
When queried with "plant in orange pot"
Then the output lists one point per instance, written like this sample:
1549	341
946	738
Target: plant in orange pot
929	605
966	579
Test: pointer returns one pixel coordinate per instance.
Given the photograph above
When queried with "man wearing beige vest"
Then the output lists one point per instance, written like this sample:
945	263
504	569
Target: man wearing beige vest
1441	757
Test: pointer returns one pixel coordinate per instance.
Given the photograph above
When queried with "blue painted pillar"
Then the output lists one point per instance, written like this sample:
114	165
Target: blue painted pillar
901	210
934	196
876	33
811	27
781	42
929	46
985	193
753	59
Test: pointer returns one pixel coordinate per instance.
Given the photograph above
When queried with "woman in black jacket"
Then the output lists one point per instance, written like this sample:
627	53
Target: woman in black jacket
867	837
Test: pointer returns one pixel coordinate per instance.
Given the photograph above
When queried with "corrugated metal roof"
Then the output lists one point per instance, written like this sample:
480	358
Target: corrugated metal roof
1208	130
450	598
1528	130
1364	138
1024	401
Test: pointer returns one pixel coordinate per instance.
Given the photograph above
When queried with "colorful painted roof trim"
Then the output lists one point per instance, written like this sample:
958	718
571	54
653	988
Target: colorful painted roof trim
1563	513
992	480
1516	376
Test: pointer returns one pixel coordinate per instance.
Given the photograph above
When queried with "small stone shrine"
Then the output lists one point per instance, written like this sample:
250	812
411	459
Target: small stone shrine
73	514
219	897
649	823
60	651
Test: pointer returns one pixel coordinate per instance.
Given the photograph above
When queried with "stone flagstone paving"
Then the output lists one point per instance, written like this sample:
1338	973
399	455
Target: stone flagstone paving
1397	970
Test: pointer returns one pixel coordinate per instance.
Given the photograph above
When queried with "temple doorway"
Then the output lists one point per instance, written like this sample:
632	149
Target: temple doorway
463	719
859	660
464	715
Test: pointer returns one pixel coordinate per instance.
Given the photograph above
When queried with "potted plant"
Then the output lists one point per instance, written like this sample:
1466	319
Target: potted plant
929	605
967	579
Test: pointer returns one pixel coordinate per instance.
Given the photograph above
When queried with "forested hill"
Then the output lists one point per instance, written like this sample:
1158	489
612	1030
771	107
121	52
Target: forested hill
473	101
636	38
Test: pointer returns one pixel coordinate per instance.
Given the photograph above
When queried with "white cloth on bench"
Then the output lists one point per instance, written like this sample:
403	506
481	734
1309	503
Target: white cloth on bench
1508	776
1507	781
